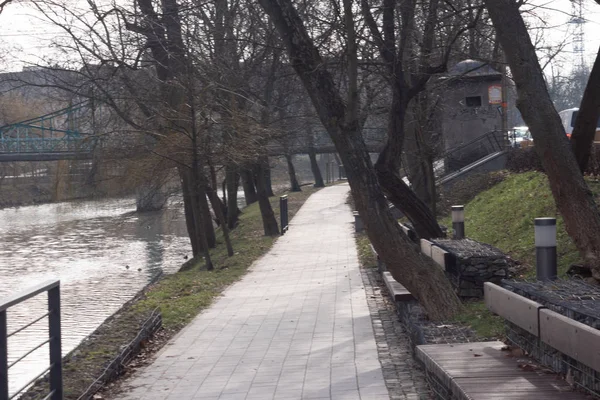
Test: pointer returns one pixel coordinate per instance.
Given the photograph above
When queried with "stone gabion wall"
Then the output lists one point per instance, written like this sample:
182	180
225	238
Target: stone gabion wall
474	264
571	298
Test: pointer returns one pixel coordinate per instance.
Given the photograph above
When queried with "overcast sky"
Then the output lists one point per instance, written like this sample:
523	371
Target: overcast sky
25	36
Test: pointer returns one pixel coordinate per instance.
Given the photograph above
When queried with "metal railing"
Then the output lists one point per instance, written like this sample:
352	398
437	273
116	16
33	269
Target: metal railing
54	341
47	145
464	154
283	213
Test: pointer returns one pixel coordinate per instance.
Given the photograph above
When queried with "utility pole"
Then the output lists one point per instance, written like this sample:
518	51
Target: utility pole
504	108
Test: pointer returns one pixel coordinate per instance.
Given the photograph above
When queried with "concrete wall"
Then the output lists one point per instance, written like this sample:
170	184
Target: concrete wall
462	123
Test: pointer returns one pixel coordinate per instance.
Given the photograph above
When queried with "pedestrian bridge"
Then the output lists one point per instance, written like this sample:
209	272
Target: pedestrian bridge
60	135
67	134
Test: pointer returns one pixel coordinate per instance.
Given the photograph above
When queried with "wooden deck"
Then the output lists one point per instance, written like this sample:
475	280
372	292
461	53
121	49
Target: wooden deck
482	371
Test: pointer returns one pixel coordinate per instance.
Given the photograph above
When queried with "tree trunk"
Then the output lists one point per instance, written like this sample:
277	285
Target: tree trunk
388	171
266	211
216	205
194	212
248	185
406	200
189	215
430	178
573	198
584	131
213	176
231	177
423	278
414	165
267	175
202	217
209	229
314	166
222	204
294	185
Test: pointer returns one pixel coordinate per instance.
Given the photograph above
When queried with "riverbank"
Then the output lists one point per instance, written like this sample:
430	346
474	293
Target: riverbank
179	298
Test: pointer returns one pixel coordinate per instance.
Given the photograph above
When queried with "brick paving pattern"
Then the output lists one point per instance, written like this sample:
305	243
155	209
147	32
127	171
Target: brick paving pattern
297	326
403	376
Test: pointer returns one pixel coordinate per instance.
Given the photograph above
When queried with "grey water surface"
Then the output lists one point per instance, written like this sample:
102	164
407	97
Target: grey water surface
102	252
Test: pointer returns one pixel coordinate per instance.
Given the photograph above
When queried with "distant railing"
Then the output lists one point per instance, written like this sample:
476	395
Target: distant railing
460	156
46	145
54	341
342	172
283	212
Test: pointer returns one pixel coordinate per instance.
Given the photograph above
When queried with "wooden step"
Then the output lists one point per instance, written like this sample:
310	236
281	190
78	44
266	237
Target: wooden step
482	371
397	291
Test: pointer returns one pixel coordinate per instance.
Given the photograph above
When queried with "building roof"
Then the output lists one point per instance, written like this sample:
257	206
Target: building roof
472	68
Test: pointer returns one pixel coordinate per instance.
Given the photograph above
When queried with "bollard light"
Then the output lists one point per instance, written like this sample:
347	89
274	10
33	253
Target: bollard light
458	221
358	223
545	249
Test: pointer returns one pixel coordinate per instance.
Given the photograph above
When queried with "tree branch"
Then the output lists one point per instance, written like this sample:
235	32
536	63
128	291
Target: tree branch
3	4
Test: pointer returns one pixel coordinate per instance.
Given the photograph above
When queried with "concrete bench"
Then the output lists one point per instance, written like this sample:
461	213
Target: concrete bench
426	247
481	370
575	339
440	256
397	291
549	336
408	231
517	309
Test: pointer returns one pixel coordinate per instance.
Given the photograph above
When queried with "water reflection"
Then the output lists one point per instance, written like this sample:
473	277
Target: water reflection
103	253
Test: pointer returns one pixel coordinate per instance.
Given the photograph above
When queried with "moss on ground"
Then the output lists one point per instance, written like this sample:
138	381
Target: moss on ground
179	297
365	254
485	324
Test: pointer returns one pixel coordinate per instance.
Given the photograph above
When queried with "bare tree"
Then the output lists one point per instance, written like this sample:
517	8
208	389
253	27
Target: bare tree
573	198
586	123
340	118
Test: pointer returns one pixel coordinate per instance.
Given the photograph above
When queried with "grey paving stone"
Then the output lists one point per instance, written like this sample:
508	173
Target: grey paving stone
297	326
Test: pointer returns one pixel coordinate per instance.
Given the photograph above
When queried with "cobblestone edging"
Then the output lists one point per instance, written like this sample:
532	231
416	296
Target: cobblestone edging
403	376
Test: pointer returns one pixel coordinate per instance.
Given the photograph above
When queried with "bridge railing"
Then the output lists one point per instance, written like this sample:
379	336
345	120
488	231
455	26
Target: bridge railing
46	145
54	341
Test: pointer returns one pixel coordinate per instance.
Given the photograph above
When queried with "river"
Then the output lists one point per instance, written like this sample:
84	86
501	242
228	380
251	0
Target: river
102	252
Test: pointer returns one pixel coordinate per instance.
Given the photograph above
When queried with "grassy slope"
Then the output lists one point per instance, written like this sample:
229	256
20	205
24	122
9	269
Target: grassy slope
503	216
180	297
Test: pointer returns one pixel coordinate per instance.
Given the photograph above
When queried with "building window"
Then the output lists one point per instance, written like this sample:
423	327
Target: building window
473	101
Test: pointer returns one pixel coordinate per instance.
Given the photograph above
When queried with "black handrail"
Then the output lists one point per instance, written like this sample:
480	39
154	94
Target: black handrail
464	154
54	340
488	135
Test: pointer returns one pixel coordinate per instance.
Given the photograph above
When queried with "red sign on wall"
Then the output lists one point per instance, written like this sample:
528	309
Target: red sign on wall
495	94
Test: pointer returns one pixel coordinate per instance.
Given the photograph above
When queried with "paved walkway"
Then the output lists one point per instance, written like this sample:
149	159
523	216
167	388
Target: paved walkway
297	326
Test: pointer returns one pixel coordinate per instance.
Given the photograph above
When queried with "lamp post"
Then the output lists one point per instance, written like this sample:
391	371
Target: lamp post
545	249
458	221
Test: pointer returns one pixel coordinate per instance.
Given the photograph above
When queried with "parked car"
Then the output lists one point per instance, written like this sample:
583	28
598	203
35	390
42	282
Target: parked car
520	137
568	118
